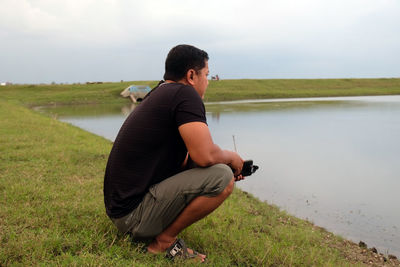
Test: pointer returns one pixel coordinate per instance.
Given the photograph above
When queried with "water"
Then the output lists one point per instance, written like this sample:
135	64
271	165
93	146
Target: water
333	161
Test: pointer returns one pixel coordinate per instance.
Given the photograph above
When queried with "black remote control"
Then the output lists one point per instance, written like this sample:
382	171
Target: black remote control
248	168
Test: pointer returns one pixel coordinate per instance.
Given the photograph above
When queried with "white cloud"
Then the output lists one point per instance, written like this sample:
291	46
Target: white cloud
263	35
253	21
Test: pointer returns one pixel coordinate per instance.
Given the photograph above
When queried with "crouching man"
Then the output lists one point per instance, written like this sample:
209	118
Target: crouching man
164	172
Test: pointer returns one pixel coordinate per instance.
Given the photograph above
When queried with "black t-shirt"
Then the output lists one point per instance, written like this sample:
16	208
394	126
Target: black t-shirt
149	148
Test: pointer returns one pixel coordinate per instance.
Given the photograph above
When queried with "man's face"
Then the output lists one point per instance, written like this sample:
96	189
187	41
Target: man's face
200	80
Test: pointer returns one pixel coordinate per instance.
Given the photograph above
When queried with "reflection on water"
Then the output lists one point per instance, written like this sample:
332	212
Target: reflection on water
102	119
333	161
88	110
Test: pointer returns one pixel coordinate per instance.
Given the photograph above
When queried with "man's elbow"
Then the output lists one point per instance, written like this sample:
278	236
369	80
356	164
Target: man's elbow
204	161
207	156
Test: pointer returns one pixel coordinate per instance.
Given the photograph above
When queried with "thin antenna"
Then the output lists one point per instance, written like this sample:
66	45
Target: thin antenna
234	143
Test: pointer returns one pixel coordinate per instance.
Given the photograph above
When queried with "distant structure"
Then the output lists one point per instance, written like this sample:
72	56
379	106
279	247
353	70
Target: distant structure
215	78
94	82
5	83
136	92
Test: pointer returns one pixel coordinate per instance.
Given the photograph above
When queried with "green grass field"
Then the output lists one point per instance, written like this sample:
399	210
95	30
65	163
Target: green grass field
217	90
289	88
52	211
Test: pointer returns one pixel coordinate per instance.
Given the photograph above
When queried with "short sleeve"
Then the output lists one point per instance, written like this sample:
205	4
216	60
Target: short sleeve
189	106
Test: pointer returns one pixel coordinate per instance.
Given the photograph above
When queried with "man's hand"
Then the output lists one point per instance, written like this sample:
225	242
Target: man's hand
236	164
239	178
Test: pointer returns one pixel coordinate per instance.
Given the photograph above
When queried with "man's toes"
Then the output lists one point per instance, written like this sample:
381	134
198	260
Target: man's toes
202	256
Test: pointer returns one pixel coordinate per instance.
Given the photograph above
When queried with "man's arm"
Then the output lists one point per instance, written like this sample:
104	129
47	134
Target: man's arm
202	149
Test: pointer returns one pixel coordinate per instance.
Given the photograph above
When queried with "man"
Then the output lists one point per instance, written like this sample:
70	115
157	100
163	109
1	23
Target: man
164	172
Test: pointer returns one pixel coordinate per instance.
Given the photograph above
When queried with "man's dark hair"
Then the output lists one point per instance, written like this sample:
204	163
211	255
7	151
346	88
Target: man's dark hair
182	58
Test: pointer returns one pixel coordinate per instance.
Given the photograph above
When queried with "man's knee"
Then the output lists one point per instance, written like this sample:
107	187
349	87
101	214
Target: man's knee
229	188
227	179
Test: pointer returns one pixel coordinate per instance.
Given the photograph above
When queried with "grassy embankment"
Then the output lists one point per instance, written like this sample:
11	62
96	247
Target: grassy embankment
217	91
52	209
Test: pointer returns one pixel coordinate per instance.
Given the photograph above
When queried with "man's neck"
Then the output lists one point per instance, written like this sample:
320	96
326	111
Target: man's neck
183	81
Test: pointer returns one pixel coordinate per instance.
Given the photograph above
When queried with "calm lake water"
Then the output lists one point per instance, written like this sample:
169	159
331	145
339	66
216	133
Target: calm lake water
333	161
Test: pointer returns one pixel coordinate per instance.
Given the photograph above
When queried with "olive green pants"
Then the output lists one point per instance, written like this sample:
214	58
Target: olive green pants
166	200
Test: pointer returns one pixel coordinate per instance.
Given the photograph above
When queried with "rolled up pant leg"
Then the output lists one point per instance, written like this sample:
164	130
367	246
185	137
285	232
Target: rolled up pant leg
166	200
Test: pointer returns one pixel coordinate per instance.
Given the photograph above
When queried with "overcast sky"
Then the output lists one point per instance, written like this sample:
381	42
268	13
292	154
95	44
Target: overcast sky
113	40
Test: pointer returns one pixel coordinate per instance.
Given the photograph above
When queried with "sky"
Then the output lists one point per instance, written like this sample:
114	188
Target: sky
44	41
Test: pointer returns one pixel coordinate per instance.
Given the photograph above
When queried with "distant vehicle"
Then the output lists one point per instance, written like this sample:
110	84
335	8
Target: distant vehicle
136	92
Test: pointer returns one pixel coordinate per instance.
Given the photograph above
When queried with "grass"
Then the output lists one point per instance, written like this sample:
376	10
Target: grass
284	88
217	91
67	94
52	211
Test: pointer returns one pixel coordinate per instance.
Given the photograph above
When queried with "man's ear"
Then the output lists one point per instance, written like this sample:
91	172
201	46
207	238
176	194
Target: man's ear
190	76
